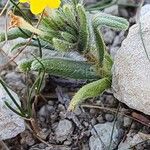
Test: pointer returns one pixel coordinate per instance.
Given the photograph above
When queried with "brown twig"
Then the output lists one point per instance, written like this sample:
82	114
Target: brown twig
115	110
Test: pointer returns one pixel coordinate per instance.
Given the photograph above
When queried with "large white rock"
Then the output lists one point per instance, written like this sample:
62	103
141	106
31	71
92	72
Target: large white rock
131	70
10	123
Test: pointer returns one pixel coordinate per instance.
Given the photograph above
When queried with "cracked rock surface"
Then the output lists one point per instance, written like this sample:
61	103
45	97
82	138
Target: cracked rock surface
131	70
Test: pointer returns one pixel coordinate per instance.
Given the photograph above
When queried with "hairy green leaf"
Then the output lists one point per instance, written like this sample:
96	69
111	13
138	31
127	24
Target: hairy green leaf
66	68
83	29
14	34
90	90
117	23
62	45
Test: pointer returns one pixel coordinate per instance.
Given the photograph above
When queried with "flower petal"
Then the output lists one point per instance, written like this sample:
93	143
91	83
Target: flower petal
53	3
23	1
37	6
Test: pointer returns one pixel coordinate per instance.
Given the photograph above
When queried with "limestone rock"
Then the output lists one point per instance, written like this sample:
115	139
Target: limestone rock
131	70
10	123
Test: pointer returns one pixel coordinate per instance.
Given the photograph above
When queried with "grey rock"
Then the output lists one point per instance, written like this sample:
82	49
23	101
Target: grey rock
109	36
93	121
131	70
16	82
43	111
3	58
109	117
145	9
63	130
131	140
119	122
127	122
118	39
113	10
113	51
123	12
102	140
147	2
27	138
100	119
10	123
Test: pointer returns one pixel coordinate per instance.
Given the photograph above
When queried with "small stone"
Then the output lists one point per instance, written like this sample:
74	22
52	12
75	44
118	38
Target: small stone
104	132
27	138
93	111
63	130
109	100
127	122
113	10
77	111
123	12
119	122
10	123
120	135
67	142
109	117
118	39
62	115
61	107
93	121
51	103
42	112
109	36
113	51
100	119
86	124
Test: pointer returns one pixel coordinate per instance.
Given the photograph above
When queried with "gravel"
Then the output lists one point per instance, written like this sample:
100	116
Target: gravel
76	130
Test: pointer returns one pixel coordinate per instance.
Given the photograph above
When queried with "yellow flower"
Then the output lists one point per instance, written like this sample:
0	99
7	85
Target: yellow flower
37	6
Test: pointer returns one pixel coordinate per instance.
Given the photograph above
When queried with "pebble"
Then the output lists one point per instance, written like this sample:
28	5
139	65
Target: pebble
109	36
113	51
27	138
100	119
126	122
109	117
63	130
113	10
104	132
93	121
123	12
61	107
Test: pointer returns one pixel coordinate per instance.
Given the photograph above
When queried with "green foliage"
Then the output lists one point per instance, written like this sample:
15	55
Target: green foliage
68	29
83	28
62	67
90	90
101	5
14	34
